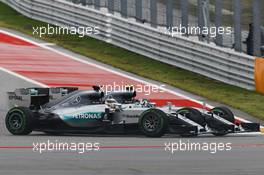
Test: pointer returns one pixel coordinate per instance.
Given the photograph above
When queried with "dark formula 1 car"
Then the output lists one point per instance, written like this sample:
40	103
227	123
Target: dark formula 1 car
69	110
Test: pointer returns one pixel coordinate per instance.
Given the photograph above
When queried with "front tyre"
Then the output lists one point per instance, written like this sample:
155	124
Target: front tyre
19	121
153	123
226	114
193	114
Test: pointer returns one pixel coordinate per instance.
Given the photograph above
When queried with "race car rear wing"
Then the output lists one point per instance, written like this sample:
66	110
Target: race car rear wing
35	97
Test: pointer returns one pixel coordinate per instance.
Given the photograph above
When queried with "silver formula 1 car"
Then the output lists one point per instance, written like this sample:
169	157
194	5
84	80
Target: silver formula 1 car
69	110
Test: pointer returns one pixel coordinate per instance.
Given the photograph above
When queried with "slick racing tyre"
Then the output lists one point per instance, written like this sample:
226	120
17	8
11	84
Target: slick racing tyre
19	121
153	123
193	114
226	114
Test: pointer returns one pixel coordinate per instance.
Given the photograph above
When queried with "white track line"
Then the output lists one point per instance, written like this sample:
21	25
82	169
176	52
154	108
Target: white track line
107	69
23	77
47	44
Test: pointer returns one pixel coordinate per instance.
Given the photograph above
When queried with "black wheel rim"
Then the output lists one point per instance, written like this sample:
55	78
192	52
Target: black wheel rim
151	123
15	121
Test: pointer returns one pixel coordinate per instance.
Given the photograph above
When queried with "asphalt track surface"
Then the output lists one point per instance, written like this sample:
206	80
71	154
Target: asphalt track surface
123	154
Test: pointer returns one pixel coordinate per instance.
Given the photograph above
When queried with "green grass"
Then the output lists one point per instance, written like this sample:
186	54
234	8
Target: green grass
248	101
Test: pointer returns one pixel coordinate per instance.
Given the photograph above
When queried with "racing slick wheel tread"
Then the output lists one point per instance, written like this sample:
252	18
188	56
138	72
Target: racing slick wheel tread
227	115
194	115
23	116
161	118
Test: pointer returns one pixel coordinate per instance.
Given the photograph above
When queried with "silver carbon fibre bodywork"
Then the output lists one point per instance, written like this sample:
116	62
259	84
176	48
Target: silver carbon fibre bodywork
69	109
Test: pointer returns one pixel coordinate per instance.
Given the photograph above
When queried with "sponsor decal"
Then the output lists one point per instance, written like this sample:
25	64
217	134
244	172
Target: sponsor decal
86	115
131	116
15	97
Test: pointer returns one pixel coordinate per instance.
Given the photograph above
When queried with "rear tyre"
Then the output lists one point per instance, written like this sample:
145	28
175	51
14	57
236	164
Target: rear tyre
226	114
19	121
153	123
